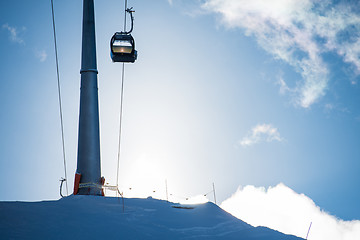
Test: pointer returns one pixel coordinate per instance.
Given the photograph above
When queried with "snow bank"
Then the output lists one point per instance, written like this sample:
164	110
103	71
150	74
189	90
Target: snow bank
92	217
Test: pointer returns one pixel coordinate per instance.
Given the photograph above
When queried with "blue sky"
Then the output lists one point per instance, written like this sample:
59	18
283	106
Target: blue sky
223	91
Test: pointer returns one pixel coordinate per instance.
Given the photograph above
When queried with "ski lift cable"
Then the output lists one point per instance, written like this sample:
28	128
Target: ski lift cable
120	122
125	1
59	96
121	106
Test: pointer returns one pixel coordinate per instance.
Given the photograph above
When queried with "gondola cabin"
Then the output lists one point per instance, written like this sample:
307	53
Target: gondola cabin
122	47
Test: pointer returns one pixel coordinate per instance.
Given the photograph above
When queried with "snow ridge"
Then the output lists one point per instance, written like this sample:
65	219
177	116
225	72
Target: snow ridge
92	217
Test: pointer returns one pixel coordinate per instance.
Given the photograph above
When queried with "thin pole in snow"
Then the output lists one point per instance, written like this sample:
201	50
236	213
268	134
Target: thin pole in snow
308	231
214	193
167	195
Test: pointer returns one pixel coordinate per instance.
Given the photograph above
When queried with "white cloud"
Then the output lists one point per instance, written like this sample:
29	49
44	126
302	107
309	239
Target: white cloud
14	33
41	55
329	107
297	32
260	133
282	209
170	2
283	86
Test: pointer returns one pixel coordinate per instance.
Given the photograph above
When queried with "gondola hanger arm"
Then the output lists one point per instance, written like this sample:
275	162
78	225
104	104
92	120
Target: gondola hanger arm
130	11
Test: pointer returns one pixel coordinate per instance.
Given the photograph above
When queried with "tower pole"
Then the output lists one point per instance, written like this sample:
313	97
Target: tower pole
88	159
214	193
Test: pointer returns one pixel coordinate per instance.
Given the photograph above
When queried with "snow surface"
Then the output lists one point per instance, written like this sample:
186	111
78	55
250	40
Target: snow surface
95	217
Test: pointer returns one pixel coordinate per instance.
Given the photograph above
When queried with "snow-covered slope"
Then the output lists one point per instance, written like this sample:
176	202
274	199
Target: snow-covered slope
91	217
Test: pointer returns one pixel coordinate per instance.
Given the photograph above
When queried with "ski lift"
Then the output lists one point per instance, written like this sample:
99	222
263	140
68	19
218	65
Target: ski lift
122	44
123	48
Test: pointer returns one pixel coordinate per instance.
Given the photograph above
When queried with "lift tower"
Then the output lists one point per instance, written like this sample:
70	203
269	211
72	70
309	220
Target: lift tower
88	173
